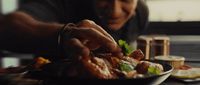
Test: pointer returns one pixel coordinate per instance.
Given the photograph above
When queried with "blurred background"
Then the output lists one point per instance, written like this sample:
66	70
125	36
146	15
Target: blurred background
178	19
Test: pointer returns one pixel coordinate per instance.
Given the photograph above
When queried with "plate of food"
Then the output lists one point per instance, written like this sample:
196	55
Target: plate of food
182	71
103	68
187	74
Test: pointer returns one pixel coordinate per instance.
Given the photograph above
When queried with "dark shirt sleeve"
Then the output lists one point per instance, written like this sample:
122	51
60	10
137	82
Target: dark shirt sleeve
44	10
143	16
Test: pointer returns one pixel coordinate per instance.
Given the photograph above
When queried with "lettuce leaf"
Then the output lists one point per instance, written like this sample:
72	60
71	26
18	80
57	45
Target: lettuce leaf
126	49
125	67
153	70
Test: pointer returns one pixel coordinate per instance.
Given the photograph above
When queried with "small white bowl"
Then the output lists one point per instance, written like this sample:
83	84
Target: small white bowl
174	61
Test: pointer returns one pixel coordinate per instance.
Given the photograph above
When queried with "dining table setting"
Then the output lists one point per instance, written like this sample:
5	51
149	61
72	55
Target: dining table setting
136	66
18	77
52	74
186	77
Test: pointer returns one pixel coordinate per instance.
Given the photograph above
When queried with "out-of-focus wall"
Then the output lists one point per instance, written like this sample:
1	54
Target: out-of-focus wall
7	6
174	10
0	6
11	59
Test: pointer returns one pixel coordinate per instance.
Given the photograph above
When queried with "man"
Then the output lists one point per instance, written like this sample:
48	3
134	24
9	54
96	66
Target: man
124	19
35	26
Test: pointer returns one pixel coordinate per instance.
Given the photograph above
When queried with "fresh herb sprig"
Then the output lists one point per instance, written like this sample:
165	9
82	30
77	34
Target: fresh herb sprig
125	66
154	70
126	49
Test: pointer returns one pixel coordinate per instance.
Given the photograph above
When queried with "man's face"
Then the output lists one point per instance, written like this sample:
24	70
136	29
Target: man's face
115	13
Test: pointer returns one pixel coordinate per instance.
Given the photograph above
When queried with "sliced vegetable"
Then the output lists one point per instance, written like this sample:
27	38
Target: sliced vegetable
126	66
126	49
154	70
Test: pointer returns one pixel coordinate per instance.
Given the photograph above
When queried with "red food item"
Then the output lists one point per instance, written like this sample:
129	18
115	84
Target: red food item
185	67
137	54
142	67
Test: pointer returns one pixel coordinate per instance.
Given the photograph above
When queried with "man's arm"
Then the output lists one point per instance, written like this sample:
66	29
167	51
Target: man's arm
20	32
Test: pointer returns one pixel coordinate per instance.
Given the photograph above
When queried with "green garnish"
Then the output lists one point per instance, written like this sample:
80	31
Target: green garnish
154	70
125	67
126	49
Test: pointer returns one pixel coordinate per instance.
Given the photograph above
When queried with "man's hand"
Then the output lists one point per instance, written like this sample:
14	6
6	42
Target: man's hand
88	36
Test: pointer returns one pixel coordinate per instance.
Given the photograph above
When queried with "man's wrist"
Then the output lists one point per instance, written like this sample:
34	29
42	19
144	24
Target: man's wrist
64	34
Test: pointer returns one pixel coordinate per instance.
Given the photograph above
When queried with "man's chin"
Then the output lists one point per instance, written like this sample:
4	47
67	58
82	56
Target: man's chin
114	26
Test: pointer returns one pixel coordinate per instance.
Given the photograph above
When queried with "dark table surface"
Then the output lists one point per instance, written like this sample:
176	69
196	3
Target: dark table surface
170	81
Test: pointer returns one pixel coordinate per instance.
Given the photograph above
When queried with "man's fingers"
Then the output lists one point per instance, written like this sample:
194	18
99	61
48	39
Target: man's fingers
92	24
95	33
93	36
97	38
75	48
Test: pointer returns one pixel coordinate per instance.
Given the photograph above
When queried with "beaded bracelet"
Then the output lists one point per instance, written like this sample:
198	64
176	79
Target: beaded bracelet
64	33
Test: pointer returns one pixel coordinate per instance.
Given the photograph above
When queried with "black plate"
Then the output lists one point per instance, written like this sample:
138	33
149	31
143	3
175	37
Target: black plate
151	80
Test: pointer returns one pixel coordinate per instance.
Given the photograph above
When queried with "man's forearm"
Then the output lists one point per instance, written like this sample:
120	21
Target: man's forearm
20	32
